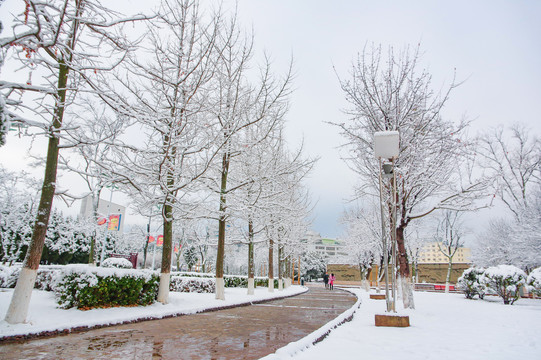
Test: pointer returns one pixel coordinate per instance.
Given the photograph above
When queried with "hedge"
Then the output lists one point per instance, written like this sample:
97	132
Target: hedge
88	287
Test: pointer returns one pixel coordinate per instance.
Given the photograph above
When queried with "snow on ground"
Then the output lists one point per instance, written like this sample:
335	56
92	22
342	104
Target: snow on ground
45	316
444	326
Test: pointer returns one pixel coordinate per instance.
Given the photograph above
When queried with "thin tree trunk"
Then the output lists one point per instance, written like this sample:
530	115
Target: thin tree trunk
280	268
165	273
271	265
220	285
251	257
448	278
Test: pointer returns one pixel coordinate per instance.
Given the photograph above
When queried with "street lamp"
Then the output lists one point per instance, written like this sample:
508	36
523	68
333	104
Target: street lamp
386	148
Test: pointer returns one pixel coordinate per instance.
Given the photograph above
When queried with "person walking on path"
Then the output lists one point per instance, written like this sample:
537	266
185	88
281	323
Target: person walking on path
331	281
326	280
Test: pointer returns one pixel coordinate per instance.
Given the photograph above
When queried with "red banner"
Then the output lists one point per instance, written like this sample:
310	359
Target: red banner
151	239
160	240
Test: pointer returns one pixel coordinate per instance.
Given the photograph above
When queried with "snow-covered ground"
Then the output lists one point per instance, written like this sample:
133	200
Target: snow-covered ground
45	316
444	326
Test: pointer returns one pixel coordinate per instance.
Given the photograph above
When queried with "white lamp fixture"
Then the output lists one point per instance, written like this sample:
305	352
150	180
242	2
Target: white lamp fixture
386	144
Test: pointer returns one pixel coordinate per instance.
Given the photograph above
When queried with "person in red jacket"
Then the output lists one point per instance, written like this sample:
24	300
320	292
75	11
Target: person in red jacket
331	281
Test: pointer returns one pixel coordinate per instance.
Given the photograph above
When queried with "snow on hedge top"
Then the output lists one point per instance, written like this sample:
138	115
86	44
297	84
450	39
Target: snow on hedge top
104	272
117	263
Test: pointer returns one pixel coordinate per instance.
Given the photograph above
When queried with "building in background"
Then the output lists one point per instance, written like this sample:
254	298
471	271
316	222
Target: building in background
431	254
332	248
116	212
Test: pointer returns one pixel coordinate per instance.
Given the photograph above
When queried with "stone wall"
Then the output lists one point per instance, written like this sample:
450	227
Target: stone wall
429	273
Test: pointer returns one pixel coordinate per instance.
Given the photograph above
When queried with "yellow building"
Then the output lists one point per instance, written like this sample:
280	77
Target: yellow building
431	254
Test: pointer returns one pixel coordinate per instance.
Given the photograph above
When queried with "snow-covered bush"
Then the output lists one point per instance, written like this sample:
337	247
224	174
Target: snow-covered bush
9	276
534	281
45	279
229	280
119	263
470	283
192	284
86	287
505	281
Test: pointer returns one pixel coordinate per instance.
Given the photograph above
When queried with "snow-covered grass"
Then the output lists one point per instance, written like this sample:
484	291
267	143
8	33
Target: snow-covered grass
444	326
44	314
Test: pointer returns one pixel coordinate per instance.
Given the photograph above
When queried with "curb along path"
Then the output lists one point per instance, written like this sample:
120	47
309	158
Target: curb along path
247	332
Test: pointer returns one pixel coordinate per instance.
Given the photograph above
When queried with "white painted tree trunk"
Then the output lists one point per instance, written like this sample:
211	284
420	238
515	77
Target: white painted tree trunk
251	286
365	285
220	289
448	278
163	290
271	284
18	308
407	293
280	285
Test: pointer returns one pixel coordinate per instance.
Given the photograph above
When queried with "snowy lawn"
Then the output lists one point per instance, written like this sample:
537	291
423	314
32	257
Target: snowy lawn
45	316
444	326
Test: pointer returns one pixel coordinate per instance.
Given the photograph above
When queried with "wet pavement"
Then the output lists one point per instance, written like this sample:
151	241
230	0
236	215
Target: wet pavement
248	332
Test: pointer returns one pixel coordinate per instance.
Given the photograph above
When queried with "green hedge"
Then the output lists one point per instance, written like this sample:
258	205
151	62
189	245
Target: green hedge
90	287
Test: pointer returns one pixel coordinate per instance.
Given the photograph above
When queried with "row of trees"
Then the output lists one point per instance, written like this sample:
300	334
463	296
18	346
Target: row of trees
441	172
177	115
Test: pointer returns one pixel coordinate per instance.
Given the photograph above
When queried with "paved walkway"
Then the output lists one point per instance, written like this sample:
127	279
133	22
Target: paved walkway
249	332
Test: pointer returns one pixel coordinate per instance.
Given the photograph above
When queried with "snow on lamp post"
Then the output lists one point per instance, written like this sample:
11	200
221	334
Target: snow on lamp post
386	148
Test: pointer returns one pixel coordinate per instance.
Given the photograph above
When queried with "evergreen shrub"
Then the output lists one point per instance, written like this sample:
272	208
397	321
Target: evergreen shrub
192	284
505	281
534	282
88	287
470	283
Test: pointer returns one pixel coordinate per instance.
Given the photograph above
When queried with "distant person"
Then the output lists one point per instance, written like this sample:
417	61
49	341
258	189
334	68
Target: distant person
331	281
326	280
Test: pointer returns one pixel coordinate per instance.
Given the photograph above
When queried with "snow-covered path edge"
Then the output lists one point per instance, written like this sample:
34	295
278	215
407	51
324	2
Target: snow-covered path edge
137	314
291	349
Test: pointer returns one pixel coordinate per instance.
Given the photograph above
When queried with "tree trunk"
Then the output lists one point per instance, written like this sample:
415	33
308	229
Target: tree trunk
404	269
448	278
220	289
280	268
271	265
146	245
165	273
250	257
20	300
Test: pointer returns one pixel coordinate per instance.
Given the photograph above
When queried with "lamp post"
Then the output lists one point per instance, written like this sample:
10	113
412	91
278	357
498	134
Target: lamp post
386	148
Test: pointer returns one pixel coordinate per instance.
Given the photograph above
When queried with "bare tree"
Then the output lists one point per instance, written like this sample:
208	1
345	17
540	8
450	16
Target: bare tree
168	89
449	239
391	93
68	41
240	103
513	159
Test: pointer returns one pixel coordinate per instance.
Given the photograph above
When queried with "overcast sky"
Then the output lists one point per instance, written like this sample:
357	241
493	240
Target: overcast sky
493	45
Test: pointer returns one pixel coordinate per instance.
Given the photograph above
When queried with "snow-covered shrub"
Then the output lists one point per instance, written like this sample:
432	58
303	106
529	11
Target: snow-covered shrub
119	263
505	281
470	283
86	287
9	276
534	281
229	280
44	279
192	284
